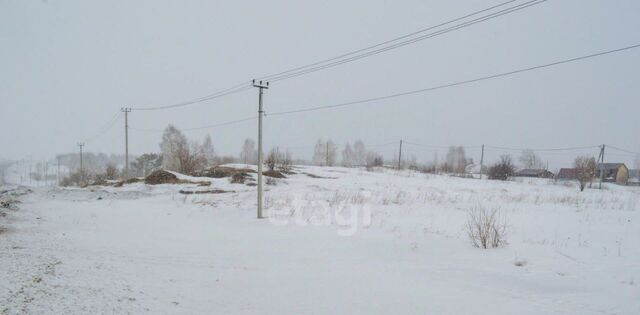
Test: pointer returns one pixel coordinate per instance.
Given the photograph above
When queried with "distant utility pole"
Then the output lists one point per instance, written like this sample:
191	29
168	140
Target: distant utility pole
126	111
601	166
326	154
481	161
81	169
261	86
400	155
58	173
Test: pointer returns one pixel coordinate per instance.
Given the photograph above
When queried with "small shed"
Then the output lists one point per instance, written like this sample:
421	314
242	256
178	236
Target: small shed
614	172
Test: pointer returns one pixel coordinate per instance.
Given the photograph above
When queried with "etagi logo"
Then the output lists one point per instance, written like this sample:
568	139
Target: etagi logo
348	217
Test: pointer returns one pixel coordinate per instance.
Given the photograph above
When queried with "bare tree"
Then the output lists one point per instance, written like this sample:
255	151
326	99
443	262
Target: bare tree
249	153
530	160
585	170
111	171
373	159
273	158
280	160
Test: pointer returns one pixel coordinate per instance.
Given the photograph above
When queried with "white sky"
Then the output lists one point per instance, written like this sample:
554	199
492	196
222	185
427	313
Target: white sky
67	67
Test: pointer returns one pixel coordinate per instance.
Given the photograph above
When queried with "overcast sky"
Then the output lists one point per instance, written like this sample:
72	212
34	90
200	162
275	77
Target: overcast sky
67	67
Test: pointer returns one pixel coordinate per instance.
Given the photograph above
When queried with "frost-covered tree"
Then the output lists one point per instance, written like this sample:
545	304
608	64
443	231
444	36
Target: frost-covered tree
208	151
146	164
359	153
456	161
324	153
173	145
249	154
319	151
178	154
530	160
348	156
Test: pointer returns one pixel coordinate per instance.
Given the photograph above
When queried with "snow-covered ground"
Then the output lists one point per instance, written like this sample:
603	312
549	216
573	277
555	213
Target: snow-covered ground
349	242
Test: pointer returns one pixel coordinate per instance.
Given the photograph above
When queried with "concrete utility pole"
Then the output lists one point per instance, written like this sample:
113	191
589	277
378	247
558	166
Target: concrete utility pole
261	86
126	111
481	161
81	169
601	167
400	155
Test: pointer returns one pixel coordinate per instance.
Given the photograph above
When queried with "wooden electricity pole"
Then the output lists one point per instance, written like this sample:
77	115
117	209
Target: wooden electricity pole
400	155
261	86
601	167
481	161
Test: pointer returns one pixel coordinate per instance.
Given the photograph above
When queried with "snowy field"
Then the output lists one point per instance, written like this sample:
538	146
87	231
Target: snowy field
342	241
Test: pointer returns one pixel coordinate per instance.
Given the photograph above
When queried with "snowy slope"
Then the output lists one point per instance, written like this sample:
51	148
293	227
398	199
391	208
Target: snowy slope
350	242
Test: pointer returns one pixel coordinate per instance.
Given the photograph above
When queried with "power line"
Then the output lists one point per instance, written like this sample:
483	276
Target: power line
444	86
309	69
622	150
320	65
439	146
201	127
232	90
102	130
275	75
542	150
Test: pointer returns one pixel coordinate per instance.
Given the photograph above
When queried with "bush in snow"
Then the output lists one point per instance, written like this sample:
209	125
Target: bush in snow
485	229
503	169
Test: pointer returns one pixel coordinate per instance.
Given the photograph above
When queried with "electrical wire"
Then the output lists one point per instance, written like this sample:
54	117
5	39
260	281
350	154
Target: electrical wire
297	69
201	127
447	30
543	149
102	130
444	86
622	150
232	90
320	65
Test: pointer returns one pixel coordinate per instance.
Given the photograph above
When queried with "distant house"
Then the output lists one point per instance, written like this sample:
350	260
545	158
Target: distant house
614	172
539	173
567	174
634	177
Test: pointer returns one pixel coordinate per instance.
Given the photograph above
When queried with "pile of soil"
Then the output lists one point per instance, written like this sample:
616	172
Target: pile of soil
198	192
274	174
133	180
161	177
222	171
239	178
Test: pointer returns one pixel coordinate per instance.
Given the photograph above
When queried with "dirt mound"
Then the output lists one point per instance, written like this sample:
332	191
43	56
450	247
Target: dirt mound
161	177
274	174
239	178
222	171
199	192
